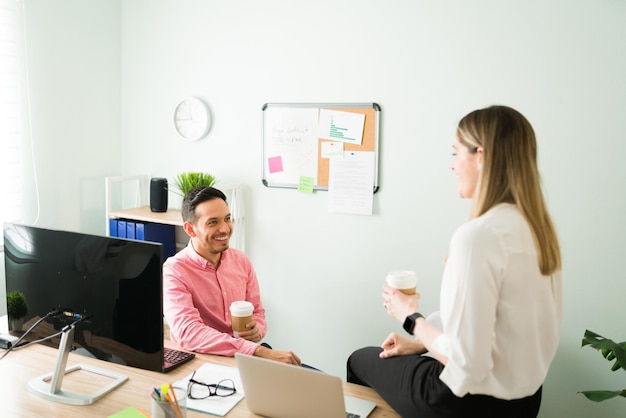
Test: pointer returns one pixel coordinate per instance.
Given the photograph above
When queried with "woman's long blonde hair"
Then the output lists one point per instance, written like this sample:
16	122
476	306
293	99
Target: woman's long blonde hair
510	174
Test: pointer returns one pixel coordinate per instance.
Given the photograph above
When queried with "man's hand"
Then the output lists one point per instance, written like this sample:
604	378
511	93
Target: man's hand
252	334
283	356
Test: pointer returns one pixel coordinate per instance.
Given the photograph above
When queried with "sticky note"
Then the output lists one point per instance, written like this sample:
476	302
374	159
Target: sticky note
275	164
305	185
130	412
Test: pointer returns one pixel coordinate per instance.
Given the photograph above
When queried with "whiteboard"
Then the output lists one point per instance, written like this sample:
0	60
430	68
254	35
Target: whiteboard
295	145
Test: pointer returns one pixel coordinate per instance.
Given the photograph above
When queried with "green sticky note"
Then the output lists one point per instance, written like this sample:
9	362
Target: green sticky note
130	412
305	185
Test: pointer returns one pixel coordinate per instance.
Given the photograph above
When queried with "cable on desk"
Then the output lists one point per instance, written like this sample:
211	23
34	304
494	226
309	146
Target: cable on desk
55	312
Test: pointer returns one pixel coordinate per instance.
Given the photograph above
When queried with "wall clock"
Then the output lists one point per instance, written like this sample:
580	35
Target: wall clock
192	119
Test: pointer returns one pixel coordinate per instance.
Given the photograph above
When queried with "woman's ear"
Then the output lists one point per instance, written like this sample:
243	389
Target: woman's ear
479	157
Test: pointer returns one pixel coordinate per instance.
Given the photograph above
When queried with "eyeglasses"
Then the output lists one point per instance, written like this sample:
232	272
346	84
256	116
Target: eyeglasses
200	390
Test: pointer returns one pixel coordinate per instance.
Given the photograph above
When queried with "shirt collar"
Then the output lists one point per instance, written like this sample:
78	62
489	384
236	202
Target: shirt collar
201	261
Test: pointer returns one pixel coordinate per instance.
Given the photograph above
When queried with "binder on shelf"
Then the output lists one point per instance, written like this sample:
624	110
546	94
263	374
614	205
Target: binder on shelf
121	228
113	227
163	233
130	230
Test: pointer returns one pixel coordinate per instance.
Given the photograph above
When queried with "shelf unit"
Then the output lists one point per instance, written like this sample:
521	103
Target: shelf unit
127	198
143	213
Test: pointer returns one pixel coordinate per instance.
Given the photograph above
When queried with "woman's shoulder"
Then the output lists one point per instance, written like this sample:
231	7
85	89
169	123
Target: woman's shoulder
500	220
503	227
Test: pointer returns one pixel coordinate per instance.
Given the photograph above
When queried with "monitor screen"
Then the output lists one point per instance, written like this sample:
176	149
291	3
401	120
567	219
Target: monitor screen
116	283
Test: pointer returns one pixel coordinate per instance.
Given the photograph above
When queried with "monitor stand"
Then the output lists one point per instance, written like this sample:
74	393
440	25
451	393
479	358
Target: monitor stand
48	386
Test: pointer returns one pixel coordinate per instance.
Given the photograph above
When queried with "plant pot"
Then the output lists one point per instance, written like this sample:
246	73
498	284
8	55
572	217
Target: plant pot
17	324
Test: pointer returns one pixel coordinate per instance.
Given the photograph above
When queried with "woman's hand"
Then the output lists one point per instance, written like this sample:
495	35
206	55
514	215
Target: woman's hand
398	304
399	345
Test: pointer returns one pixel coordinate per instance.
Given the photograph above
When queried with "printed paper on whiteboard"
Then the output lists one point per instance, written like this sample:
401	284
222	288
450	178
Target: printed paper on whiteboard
332	149
351	183
341	126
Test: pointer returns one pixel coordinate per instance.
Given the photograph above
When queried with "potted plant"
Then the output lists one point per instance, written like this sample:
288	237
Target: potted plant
611	351
17	308
187	181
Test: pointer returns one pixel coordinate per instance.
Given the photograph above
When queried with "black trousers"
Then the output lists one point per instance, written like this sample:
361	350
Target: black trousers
411	386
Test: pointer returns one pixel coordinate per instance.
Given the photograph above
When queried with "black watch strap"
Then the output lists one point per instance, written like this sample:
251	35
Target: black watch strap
409	322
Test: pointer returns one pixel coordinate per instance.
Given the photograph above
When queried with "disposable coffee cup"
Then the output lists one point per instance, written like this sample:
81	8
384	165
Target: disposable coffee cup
173	407
240	315
403	280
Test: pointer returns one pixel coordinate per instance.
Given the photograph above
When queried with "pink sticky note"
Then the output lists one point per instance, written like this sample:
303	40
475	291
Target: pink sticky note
276	164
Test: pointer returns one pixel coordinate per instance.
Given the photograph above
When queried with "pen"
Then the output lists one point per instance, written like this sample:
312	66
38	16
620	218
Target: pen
173	392
177	410
141	411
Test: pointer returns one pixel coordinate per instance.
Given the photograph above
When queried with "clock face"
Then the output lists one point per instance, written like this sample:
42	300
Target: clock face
192	119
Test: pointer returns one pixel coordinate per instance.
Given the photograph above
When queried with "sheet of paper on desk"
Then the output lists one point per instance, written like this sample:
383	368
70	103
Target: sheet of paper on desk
213	373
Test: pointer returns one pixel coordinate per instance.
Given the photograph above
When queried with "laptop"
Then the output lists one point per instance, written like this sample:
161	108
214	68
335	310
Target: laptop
278	390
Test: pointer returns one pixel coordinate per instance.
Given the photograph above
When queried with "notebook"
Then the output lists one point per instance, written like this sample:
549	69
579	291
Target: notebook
279	390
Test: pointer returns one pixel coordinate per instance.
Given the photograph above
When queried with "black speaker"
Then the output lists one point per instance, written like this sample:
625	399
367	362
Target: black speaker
158	194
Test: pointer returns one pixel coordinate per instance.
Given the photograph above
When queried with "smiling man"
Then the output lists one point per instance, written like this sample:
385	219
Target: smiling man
202	280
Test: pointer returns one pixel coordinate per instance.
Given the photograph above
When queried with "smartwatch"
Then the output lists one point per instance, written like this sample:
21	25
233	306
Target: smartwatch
409	322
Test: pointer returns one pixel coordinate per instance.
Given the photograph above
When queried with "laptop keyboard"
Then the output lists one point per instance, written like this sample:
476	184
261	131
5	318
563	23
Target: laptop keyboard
174	358
351	415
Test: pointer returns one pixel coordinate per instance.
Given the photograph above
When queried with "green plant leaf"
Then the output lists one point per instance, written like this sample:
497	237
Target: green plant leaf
187	181
609	349
17	307
602	395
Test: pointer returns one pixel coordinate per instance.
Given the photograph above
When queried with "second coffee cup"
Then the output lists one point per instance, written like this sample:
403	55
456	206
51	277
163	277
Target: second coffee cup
240	314
403	280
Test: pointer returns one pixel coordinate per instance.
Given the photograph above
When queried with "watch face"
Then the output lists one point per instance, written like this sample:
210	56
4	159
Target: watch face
192	119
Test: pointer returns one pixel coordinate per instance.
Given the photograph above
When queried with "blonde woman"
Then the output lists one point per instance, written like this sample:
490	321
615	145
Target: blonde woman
501	292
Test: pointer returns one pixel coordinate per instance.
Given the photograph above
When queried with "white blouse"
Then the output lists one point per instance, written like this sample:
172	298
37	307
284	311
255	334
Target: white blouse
501	317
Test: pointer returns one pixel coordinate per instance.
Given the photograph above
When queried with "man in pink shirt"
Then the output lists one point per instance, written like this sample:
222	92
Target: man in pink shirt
202	280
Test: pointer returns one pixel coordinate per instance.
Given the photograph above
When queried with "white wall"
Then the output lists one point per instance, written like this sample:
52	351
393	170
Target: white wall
427	64
73	56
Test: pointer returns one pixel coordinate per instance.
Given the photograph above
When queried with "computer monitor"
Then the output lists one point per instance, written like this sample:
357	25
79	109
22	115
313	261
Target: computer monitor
115	282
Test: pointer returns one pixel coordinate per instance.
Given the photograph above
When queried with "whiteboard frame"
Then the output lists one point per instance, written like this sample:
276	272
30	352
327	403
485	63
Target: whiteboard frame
371	105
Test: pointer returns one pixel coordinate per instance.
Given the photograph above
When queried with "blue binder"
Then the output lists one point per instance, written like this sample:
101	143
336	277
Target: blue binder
130	230
165	234
112	227
121	228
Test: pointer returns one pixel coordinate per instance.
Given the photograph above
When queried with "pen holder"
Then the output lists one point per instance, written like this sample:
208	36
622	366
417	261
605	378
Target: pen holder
174	406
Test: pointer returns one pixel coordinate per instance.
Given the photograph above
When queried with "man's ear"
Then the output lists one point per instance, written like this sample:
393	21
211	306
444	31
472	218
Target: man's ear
188	227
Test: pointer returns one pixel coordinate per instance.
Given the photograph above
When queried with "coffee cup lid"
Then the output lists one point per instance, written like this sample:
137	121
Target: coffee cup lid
401	279
241	308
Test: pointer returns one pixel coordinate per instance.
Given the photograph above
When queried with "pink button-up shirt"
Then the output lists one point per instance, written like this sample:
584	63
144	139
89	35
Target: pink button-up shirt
197	297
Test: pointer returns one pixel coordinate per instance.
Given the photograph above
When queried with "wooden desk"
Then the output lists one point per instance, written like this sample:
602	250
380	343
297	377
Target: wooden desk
20	366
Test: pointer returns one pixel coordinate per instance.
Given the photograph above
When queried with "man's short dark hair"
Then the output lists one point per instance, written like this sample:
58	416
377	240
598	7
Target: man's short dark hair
196	196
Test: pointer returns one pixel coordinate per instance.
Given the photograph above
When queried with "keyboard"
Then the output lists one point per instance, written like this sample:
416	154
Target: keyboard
174	358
